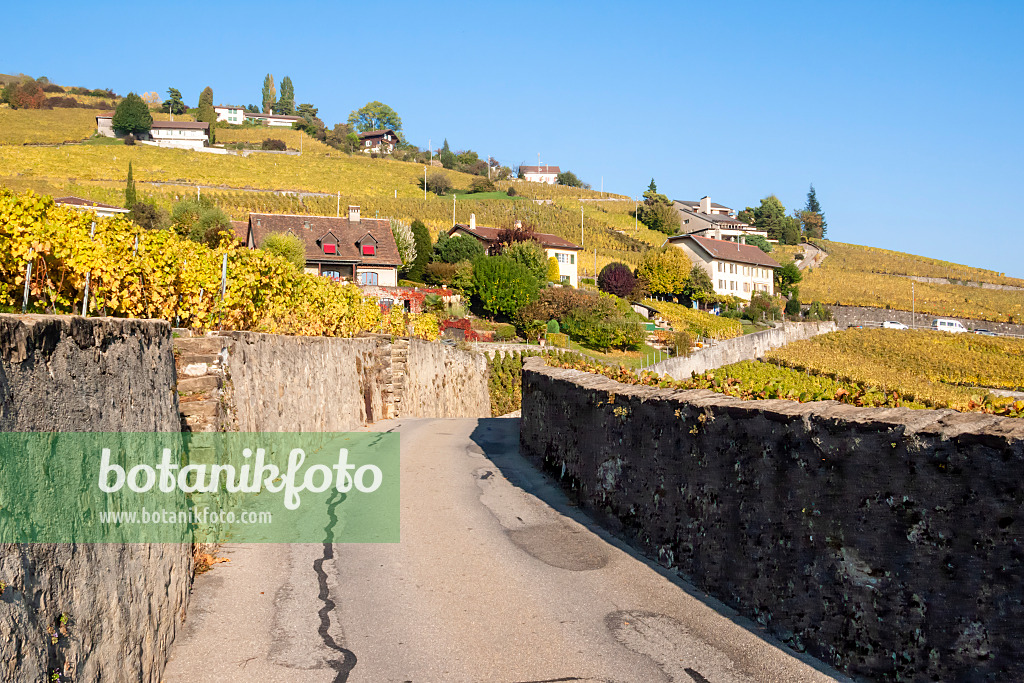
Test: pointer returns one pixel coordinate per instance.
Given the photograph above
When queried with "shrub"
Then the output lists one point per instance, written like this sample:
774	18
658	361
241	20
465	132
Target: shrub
52	87
289	247
459	248
759	242
149	216
481	185
554	274
438	183
274	145
594	330
502	286
553	327
531	255
129	139
511	192
558	339
819	311
616	278
504	332
439	273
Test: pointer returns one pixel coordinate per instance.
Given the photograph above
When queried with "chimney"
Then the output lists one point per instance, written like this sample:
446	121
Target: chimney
353	214
306	224
743	239
472	221
705	205
718	232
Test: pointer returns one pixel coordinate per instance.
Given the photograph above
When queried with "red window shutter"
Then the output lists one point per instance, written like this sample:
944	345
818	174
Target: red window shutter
330	249
369	250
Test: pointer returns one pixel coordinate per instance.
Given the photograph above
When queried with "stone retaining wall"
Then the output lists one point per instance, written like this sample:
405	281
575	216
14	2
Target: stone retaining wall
122	603
853	316
885	542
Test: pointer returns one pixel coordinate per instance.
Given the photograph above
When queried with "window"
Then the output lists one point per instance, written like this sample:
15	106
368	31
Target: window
746	286
367	143
572	258
330	248
331	274
368	278
563	278
732	284
721	267
721	283
369	250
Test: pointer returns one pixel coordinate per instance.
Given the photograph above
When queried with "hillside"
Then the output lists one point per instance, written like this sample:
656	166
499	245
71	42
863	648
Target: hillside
854	275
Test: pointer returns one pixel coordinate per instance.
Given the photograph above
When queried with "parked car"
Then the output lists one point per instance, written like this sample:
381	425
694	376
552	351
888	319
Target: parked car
894	325
948	325
982	331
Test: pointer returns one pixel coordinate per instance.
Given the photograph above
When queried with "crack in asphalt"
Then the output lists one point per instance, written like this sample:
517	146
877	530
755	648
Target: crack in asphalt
342	666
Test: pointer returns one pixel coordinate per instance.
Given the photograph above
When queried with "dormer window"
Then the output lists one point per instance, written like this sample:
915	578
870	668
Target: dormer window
369	250
330	248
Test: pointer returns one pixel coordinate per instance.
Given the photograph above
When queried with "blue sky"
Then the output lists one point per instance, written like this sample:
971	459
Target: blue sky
905	116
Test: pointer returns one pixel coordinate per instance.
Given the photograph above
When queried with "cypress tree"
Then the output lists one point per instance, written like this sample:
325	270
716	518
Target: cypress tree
424	247
130	198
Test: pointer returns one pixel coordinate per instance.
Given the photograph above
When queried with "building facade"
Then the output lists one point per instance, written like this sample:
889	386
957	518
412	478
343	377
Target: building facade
230	113
378	141
539	174
273	120
101	210
735	269
708	219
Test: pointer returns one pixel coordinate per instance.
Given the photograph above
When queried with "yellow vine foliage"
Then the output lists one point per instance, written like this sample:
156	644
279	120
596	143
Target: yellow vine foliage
700	323
137	273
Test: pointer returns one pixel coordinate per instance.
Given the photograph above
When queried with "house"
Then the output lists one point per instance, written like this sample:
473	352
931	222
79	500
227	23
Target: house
540	174
709	219
173	134
230	113
348	248
735	268
564	251
101	210
378	141
273	120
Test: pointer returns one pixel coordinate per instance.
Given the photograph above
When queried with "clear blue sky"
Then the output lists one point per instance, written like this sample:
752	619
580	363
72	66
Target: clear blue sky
905	116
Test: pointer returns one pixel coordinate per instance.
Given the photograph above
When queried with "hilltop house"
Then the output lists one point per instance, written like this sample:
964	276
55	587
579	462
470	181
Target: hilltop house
708	219
273	120
736	269
564	251
173	134
101	210
230	113
378	141
349	248
539	174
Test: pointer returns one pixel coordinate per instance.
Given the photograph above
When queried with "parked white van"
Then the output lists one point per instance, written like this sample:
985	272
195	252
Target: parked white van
947	325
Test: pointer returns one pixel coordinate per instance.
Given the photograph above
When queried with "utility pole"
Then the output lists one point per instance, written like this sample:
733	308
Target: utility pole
581	225
339	205
913	306
424	182
636	215
454	197
430	156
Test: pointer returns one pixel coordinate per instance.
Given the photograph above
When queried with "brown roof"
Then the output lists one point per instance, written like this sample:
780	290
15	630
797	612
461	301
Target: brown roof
539	169
730	251
490	235
78	201
241	230
317	230
202	125
376	133
687	202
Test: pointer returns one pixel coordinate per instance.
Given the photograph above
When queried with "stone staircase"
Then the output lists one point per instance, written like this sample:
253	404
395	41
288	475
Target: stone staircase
201	364
394	390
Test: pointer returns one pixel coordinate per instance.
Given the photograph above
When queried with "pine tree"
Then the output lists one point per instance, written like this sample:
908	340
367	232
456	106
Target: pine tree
130	198
286	103
814	207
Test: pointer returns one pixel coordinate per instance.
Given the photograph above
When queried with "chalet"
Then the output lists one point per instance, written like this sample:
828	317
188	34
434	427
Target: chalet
101	210
735	268
273	120
378	141
350	248
708	219
564	251
539	174
173	134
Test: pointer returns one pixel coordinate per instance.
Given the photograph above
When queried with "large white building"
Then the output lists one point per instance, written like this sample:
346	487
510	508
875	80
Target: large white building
708	219
273	120
230	113
539	174
735	268
174	134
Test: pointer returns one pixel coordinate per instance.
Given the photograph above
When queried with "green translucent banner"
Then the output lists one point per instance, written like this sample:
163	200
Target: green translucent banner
208	487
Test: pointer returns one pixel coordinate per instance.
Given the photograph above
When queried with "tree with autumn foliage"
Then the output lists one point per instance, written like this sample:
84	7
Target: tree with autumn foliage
665	270
616	278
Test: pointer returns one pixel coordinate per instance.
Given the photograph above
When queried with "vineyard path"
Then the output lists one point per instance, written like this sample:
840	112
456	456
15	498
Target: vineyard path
813	257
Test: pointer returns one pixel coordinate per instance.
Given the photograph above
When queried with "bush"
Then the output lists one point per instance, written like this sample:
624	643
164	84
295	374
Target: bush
458	248
793	307
531	255
439	273
52	87
502	286
274	145
149	216
759	242
438	183
481	185
289	247
558	339
616	278
129	139
553	327
504	332
819	312
511	192
594	330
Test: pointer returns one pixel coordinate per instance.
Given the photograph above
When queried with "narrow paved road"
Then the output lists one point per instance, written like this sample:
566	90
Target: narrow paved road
497	579
812	257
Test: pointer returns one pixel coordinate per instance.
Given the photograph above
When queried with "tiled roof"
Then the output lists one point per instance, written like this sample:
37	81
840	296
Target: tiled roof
544	168
490	235
78	201
327	229
377	133
693	204
241	230
730	251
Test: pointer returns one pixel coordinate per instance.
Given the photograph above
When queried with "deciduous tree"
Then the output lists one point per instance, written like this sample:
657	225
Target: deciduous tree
405	241
287	246
665	270
132	116
616	278
503	286
569	179
375	116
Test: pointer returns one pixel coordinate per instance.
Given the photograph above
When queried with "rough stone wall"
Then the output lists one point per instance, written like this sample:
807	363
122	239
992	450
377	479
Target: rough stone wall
853	316
123	603
963	283
747	347
443	381
884	541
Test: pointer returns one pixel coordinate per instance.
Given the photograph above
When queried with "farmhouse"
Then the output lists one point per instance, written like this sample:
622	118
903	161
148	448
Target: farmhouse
540	174
174	134
230	113
564	251
350	248
708	219
736	269
378	141
101	210
272	119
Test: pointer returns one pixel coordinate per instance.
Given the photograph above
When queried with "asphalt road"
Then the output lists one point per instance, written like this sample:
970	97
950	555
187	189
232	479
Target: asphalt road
497	579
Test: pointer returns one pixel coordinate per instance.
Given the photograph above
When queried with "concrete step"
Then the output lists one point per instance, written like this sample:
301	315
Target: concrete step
184	358
211	345
191	385
203	408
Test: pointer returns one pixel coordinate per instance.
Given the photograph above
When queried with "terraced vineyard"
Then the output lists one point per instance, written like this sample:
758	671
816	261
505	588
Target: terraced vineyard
697	322
864	276
935	369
